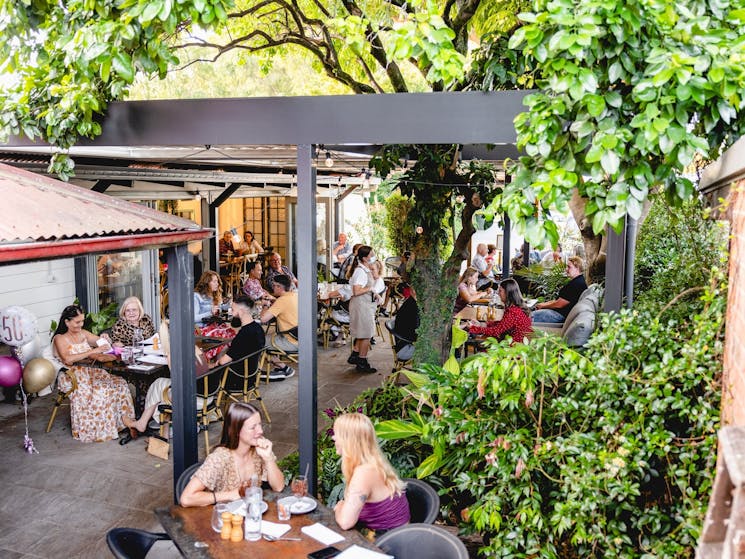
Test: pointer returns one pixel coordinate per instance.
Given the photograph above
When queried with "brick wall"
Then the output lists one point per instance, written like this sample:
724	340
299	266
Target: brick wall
733	385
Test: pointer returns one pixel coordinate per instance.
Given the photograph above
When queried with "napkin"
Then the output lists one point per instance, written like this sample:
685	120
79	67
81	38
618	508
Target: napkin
154	359
324	535
357	552
141	367
274	529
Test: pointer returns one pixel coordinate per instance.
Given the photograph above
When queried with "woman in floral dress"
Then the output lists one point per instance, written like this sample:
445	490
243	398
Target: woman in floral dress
101	405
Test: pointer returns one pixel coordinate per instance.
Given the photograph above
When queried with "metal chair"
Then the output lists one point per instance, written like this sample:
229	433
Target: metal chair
414	541
246	378
398	362
424	502
131	543
62	395
184	478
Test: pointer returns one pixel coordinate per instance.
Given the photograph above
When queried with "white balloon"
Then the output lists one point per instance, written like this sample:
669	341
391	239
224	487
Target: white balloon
28	351
17	326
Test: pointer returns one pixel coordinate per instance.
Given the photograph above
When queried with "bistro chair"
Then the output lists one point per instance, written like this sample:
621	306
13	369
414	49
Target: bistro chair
424	502
184	478
208	410
270	350
62	395
403	356
414	541
240	382
131	543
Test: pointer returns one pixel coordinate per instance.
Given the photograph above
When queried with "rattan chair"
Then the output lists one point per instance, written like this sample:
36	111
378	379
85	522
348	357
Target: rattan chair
240	382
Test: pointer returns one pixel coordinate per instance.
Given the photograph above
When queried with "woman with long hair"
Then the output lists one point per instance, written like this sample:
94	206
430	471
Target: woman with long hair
515	321
362	307
467	292
101	405
207	296
375	496
243	452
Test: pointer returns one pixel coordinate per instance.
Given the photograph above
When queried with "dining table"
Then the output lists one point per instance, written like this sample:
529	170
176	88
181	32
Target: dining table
190	528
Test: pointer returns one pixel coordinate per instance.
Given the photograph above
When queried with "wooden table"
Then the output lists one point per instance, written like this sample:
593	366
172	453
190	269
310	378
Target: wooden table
186	526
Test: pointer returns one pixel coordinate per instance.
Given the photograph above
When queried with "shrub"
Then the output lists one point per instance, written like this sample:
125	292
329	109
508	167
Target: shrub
553	453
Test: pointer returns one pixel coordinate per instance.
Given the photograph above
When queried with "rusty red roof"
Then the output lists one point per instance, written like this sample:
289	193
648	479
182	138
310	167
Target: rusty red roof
46	218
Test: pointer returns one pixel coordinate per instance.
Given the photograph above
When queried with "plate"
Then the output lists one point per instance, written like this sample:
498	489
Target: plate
299	506
239	507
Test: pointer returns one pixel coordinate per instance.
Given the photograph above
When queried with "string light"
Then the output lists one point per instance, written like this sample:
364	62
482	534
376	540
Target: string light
329	162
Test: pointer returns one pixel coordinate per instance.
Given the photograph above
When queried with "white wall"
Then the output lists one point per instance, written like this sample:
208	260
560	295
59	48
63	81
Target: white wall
44	288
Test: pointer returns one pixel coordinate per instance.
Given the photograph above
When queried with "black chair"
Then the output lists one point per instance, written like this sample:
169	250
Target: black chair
131	543
424	502
415	541
184	478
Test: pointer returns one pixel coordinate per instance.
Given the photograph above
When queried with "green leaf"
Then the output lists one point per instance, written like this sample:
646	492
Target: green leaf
151	10
417	379
395	429
429	466
595	105
610	162
122	64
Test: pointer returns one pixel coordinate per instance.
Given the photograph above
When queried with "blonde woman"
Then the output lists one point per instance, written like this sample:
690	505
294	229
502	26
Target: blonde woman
131	317
375	497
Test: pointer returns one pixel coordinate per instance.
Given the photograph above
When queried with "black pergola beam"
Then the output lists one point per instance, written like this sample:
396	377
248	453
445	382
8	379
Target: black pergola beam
403	118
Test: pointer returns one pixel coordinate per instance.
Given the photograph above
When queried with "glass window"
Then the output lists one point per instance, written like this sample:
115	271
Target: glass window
119	276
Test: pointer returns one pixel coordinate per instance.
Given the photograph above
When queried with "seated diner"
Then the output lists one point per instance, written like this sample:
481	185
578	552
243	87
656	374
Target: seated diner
467	292
515	322
243	452
131	317
375	497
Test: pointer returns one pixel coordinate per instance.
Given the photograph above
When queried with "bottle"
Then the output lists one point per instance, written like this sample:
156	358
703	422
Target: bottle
227	527
236	531
253	521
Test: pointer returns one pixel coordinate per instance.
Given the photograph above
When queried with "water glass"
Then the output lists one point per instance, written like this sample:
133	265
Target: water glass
299	487
217	516
128	356
252	526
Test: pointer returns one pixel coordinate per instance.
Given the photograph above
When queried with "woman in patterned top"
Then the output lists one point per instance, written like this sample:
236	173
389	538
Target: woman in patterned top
515	322
101	405
131	315
252	286
243	453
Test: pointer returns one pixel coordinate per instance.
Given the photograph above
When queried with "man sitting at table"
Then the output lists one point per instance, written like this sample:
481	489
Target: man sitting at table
249	340
226	244
556	311
284	310
341	250
275	269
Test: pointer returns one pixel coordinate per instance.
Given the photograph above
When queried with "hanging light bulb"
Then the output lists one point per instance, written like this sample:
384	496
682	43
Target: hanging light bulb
366	178
236	237
329	162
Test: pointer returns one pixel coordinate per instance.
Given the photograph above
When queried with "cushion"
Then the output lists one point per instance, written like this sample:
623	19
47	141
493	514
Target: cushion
581	327
406	352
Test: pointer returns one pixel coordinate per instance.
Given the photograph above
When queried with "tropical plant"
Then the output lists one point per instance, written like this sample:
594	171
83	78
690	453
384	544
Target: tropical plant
96	322
553	453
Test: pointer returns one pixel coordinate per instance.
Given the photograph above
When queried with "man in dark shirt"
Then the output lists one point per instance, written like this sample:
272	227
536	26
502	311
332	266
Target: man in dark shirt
249	339
557	310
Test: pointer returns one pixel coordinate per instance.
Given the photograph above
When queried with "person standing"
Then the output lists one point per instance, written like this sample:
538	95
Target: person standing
556	310
362	307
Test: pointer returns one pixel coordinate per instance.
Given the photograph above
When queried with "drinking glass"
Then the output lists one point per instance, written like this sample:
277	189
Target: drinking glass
299	487
217	516
137	340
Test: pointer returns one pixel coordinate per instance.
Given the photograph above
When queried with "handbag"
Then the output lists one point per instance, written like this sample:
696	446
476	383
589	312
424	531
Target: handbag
158	447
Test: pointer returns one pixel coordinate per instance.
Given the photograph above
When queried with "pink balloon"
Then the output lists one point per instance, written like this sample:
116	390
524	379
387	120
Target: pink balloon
10	371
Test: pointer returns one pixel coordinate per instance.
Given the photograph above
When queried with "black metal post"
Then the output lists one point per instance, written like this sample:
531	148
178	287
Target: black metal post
614	270
305	234
631	229
181	333
506	233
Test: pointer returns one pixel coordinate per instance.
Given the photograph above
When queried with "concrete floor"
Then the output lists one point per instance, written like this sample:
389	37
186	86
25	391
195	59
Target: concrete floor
60	502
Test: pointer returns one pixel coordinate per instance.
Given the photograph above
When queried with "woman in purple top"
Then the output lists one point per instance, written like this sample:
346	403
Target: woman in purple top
375	497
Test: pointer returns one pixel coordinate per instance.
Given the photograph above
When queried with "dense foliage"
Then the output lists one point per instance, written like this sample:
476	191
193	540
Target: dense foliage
553	453
675	251
628	93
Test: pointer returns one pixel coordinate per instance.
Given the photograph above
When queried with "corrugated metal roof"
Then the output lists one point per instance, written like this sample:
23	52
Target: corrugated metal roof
37	208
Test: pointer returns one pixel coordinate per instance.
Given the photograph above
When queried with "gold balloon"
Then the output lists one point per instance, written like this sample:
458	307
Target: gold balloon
37	374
